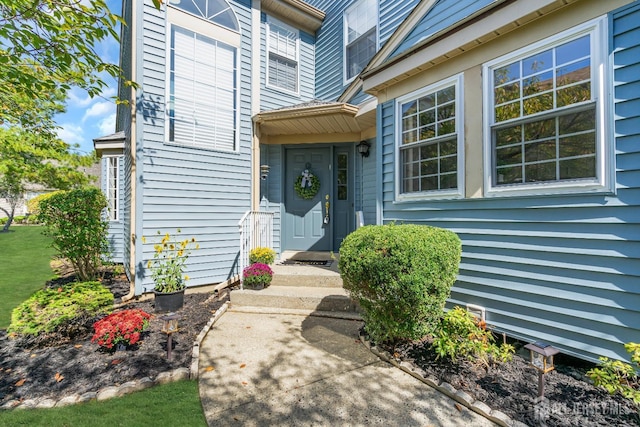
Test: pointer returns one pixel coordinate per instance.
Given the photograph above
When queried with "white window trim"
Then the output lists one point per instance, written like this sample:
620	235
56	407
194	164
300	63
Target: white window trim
604	133
214	31
271	20
454	193
345	32
107	186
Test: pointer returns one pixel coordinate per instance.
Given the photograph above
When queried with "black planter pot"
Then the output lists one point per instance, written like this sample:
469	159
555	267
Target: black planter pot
169	301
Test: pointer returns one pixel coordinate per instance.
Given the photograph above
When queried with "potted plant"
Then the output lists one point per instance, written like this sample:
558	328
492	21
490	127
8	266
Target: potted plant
262	254
167	270
257	276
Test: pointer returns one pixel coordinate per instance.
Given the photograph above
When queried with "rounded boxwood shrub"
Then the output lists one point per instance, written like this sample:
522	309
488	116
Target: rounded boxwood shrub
401	275
51	308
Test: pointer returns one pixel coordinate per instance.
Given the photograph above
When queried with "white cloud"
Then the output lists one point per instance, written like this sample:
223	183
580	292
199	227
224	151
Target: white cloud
71	134
107	125
99	109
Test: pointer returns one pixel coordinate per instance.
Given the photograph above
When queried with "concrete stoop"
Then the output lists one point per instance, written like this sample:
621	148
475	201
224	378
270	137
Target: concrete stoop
310	289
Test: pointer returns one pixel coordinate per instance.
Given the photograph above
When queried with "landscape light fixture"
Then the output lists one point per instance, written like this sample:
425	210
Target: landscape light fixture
363	148
169	326
541	357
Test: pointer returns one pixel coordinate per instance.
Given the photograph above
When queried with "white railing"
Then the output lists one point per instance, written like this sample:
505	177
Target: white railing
256	229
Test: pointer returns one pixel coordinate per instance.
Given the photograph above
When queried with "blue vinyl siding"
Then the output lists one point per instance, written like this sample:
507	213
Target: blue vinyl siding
202	192
441	15
271	189
564	269
330	44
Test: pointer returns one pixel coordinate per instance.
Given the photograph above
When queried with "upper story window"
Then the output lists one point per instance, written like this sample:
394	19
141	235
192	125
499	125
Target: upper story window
361	36
112	187
217	11
282	47
430	141
545	115
202	88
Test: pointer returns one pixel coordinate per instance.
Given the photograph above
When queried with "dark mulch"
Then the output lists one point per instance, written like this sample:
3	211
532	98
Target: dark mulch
569	398
55	366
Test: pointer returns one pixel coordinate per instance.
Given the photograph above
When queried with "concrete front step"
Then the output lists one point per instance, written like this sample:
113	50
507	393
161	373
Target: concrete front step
329	299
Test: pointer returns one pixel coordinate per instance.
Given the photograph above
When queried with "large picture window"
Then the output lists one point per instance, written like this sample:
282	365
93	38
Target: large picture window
361	36
202	91
430	141
283	56
545	119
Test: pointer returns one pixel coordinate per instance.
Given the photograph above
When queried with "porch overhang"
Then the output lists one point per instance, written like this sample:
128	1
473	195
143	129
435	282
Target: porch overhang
110	144
316	122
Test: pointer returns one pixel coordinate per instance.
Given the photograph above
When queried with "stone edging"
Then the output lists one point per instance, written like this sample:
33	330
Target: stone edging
459	396
130	386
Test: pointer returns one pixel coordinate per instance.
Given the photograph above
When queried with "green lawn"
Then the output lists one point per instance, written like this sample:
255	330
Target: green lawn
174	404
24	267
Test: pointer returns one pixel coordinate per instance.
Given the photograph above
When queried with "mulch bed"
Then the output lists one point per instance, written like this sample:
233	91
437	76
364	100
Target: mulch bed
569	398
53	366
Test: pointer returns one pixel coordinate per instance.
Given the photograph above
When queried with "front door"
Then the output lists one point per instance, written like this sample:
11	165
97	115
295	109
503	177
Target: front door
321	222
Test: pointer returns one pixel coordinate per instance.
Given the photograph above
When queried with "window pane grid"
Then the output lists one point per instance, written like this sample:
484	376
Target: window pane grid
112	187
548	150
361	23
557	77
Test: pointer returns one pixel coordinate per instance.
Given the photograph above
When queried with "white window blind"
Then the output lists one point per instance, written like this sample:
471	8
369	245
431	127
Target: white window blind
283	56
202	95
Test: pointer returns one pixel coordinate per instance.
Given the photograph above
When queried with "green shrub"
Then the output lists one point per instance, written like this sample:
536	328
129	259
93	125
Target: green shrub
33	205
75	222
19	219
401	276
262	255
49	308
461	336
616	376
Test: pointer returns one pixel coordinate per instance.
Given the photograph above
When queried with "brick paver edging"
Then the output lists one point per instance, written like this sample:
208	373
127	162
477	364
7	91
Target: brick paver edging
130	386
459	396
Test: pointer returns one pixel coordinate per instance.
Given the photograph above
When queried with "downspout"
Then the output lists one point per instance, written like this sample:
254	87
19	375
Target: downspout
255	103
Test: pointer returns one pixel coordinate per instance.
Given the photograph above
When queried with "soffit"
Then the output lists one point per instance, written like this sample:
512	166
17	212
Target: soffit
313	118
455	40
295	12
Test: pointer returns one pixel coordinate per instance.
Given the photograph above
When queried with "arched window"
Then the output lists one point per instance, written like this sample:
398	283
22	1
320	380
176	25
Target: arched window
217	11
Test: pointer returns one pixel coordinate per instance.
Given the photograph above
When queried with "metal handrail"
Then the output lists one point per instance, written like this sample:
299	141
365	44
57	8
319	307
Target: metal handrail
256	230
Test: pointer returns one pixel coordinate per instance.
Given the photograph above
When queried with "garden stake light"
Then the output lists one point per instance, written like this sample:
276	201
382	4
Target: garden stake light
541	357
169	326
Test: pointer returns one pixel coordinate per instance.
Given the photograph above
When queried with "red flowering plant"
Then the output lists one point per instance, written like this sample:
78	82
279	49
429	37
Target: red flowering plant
257	275
123	327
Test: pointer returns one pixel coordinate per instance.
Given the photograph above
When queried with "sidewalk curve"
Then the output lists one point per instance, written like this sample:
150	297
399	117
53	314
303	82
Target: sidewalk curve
259	369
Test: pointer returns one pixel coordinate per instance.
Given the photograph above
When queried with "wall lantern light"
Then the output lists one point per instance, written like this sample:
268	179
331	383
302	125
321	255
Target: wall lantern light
363	148
541	357
264	171
169	326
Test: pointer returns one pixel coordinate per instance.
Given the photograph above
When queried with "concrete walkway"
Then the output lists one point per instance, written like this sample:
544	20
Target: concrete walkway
261	369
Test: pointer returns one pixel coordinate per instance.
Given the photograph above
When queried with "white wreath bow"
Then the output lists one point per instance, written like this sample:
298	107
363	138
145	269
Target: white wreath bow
306	179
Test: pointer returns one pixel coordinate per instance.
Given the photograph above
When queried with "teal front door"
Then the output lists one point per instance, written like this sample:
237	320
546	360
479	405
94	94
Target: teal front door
319	223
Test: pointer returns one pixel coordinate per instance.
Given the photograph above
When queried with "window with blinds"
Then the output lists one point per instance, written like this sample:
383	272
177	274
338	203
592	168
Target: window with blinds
202	91
282	46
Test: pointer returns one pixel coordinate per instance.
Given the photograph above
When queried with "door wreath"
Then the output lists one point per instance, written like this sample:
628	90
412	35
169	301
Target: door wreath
307	185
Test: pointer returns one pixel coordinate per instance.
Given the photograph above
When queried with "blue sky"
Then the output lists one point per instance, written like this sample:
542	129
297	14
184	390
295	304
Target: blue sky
87	118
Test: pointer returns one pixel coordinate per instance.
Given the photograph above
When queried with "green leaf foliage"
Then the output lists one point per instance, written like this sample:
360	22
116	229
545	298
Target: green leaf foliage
401	276
616	376
28	158
47	47
48	309
75	222
461	336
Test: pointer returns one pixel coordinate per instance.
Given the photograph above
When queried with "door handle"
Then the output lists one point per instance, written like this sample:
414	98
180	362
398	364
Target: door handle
326	209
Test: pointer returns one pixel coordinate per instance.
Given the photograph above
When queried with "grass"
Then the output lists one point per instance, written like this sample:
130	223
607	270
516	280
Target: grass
24	267
174	404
